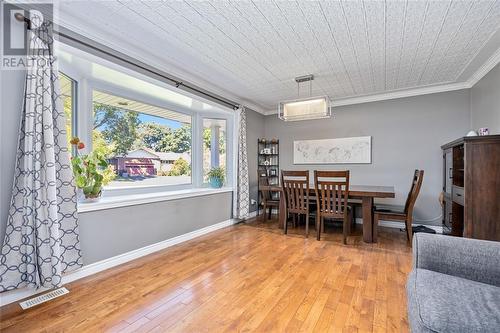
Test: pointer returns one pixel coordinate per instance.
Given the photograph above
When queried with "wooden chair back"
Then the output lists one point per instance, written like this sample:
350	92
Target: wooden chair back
332	193
266	195
296	190
416	184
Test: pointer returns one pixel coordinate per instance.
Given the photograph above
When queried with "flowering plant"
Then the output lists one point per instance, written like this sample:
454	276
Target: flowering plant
91	171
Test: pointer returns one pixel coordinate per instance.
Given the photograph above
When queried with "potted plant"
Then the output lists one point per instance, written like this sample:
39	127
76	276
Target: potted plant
91	171
216	177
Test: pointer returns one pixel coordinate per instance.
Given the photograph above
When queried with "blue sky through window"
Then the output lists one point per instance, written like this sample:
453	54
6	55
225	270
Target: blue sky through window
146	118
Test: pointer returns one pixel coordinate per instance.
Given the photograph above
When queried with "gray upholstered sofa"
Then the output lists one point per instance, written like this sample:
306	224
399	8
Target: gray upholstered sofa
454	285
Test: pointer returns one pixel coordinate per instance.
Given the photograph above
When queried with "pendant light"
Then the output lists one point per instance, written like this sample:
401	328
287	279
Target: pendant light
316	107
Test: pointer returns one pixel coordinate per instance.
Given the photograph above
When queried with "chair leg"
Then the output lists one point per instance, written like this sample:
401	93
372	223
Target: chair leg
307	225
349	222
409	229
318	226
293	220
270	212
346	227
278	213
264	212
375	228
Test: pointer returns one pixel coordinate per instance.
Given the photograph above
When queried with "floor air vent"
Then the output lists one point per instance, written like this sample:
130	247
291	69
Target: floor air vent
43	298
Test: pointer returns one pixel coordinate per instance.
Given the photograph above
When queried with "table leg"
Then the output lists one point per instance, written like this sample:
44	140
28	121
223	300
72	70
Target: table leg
282	212
367	219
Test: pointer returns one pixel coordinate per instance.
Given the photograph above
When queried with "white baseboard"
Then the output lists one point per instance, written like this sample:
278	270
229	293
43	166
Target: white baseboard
15	295
253	214
401	225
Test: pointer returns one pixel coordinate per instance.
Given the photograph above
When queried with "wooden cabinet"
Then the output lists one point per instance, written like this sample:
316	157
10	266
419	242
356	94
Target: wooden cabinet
471	187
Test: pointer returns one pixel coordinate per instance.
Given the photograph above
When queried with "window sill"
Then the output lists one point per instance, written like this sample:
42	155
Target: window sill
138	199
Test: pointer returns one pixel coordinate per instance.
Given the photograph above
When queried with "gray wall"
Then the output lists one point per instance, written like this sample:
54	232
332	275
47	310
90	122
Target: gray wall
11	86
255	130
485	102
406	134
110	232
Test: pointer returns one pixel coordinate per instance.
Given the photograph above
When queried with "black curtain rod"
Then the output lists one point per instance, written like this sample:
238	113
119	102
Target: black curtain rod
117	55
173	81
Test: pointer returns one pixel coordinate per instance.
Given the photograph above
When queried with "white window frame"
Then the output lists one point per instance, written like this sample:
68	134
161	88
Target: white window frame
74	107
230	129
85	121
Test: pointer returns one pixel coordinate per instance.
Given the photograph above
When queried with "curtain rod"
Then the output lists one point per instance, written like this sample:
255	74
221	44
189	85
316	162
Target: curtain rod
79	40
67	35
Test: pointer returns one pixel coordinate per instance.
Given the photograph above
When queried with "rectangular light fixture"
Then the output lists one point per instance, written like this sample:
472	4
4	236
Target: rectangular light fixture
305	109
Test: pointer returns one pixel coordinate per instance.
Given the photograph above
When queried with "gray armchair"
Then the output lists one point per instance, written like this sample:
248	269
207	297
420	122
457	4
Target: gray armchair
454	285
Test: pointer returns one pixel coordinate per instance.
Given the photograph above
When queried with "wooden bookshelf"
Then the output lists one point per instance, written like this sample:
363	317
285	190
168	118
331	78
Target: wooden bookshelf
268	168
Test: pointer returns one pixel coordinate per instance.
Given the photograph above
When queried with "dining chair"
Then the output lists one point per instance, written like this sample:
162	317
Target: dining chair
296	191
268	202
405	215
332	193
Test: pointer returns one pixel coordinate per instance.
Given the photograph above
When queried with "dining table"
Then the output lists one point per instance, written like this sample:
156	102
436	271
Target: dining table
366	193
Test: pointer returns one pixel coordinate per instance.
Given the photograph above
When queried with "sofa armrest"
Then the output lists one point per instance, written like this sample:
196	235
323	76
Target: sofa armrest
472	259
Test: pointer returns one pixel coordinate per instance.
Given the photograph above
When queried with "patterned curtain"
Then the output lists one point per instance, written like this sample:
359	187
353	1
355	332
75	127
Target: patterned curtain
41	240
241	196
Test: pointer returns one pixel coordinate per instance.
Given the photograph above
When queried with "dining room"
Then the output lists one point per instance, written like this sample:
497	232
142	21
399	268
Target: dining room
397	137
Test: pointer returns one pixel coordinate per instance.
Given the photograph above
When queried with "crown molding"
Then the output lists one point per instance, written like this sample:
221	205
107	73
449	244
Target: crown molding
485	68
473	79
394	95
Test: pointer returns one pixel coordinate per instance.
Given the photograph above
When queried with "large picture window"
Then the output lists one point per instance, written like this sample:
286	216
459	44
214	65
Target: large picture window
144	144
155	137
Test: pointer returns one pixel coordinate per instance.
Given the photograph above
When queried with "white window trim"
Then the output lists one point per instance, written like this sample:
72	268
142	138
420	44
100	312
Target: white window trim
229	143
110	202
85	88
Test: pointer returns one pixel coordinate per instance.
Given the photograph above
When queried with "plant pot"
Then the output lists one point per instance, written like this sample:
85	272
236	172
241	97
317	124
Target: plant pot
82	198
215	182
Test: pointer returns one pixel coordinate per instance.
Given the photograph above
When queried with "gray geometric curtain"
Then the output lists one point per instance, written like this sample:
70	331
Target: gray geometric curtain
41	240
241	196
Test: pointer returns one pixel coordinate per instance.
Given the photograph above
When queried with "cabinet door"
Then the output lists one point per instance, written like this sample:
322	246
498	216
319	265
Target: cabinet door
447	214
448	171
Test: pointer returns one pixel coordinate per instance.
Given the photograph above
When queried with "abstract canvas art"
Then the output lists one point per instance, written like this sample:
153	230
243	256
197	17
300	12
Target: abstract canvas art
333	151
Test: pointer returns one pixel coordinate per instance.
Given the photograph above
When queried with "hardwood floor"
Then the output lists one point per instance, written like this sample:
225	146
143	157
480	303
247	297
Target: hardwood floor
249	277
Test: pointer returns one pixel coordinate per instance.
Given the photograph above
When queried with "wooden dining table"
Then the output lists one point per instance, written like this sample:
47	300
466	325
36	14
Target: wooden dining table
367	193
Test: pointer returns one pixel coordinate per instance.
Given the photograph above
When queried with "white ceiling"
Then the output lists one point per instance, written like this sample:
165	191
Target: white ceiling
252	50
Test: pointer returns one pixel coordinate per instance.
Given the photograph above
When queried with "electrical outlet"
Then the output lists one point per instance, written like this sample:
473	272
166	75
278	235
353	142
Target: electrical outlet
253	202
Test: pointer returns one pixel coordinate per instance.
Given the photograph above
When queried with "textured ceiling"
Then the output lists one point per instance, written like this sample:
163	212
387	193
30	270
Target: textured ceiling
254	49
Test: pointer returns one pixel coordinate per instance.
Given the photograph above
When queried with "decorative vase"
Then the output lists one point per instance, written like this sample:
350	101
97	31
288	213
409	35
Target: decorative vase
215	182
472	133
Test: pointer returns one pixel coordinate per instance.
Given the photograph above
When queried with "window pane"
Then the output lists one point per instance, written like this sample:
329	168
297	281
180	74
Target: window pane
67	89
214	145
145	144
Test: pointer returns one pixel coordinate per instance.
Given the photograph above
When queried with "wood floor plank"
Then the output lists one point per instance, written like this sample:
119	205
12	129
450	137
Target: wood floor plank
245	278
